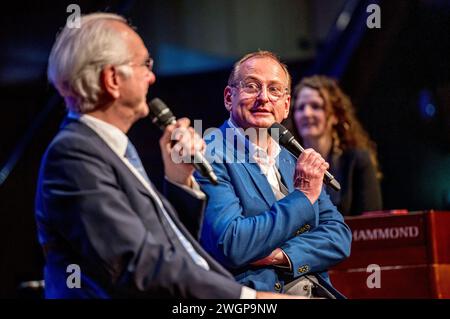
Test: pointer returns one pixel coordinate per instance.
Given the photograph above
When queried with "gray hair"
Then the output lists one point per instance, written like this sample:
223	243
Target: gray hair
79	55
233	78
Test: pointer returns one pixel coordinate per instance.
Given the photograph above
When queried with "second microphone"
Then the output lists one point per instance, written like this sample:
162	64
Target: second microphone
286	139
162	116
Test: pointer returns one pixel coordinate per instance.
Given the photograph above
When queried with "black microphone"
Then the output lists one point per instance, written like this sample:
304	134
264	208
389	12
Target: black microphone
162	116
285	138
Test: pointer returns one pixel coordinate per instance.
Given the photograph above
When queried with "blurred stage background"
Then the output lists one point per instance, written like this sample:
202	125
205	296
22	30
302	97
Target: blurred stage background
398	77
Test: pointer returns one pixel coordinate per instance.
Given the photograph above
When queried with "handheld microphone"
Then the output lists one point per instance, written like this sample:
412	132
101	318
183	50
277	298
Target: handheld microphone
162	117
285	138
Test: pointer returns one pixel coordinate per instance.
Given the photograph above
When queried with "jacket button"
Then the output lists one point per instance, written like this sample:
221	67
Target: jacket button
277	286
303	229
303	269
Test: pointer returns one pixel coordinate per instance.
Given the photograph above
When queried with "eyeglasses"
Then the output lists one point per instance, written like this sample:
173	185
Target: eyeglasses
253	88
148	63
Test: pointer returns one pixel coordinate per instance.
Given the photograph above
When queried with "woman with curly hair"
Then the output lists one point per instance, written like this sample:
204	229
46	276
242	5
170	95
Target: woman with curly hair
325	120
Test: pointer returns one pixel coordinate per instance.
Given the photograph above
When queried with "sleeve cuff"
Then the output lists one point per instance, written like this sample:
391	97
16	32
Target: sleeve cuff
289	267
194	191
247	293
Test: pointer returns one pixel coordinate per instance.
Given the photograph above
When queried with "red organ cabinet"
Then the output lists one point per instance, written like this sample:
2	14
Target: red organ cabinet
397	254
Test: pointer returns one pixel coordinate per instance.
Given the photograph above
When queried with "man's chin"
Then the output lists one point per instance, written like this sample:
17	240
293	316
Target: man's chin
263	122
144	111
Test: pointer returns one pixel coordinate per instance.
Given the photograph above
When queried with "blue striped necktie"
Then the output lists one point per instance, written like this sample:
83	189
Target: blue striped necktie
133	158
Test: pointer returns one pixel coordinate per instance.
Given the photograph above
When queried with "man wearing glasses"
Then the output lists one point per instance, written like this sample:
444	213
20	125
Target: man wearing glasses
269	221
105	229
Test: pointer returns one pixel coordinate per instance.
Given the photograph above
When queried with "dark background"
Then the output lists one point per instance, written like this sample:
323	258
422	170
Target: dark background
398	77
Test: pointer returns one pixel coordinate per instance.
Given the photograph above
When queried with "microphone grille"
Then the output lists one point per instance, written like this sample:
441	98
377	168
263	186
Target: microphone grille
280	133
160	113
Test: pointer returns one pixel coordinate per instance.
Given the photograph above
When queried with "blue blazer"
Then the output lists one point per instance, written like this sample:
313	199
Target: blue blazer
244	222
91	210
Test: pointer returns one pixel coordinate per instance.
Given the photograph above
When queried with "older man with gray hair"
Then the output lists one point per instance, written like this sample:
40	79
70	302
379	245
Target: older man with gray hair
105	229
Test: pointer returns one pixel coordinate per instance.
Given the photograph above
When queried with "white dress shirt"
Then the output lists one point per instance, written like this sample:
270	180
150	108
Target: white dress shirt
267	161
118	141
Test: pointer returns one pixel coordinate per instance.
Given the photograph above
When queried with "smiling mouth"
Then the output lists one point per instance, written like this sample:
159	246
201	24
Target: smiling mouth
261	112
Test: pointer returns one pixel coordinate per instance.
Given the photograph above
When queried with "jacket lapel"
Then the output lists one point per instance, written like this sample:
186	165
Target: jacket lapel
286	166
260	182
198	248
70	123
251	171
74	124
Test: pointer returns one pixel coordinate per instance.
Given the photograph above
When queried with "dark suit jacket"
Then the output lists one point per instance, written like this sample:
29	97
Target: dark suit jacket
360	188
244	222
92	211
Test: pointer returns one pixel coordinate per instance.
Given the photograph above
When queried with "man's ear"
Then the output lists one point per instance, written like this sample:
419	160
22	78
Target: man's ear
109	79
227	100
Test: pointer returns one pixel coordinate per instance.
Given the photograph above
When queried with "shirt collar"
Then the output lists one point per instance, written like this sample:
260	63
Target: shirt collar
259	154
114	137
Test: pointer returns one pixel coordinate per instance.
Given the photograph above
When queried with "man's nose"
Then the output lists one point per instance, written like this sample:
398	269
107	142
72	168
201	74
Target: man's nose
263	95
151	77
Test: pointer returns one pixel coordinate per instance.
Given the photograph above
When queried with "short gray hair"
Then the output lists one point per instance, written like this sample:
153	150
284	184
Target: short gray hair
232	79
79	55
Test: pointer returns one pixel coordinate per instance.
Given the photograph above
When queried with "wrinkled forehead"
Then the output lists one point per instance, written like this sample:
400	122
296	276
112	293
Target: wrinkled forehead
265	67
